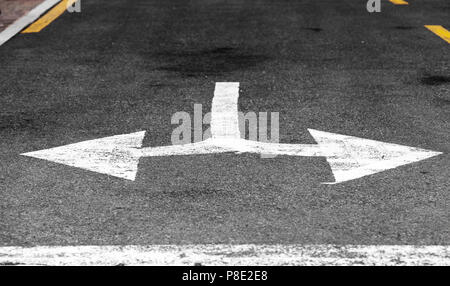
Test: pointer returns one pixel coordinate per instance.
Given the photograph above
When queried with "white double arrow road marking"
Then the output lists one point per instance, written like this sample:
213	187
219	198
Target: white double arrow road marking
349	157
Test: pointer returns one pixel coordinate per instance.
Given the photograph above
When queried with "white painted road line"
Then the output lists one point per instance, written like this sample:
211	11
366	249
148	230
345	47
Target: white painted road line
26	20
224	111
349	157
220	254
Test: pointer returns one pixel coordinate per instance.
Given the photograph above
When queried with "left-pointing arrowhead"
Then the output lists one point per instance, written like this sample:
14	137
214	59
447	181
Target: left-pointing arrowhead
113	155
352	157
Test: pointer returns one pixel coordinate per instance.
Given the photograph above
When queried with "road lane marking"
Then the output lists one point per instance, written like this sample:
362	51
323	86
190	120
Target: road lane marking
45	20
399	2
349	157
222	255
26	20
440	31
224	111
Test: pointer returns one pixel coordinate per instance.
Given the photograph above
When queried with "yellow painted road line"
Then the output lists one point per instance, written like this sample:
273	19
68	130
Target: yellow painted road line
440	31
26	20
45	20
399	2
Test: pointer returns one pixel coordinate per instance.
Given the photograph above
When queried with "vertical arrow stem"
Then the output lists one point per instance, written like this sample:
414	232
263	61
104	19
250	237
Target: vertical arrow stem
224	111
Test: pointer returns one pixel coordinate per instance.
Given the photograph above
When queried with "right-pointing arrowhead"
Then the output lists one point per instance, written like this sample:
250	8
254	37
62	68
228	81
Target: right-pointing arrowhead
352	157
112	155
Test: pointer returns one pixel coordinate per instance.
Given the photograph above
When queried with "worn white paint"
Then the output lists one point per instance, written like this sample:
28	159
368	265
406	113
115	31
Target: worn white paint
224	111
349	157
26	20
221	254
116	155
352	157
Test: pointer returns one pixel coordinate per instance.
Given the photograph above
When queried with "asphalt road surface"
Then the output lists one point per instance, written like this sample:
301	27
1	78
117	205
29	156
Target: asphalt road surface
124	66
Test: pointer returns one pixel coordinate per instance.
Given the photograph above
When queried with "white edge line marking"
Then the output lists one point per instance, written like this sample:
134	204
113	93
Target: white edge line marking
26	20
222	254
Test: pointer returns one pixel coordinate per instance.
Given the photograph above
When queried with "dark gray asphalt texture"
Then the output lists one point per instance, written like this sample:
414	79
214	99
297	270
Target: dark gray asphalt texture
123	66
